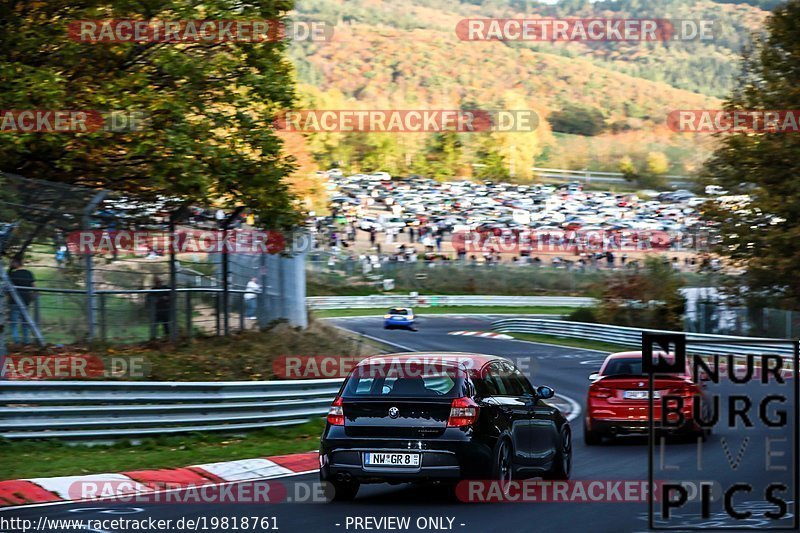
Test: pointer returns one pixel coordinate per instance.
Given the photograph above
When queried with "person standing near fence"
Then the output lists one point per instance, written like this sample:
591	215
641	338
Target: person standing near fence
250	297
160	302
20	277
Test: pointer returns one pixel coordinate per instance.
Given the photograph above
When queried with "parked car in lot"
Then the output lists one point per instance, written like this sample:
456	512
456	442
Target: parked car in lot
399	317
618	400
370	223
390	222
389	205
441	417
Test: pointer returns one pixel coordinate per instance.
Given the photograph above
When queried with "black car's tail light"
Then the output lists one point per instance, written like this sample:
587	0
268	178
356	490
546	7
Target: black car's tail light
336	413
463	412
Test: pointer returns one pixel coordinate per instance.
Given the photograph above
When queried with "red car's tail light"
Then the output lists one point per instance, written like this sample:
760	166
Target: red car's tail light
336	413
686	390
600	392
463	412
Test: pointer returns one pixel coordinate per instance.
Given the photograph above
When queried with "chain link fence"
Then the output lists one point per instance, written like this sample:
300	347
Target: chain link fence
139	292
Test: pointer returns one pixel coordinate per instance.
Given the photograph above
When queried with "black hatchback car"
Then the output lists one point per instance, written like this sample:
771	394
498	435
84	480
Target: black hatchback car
441	417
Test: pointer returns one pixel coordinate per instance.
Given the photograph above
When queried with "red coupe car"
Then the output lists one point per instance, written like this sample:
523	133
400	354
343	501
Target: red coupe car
618	400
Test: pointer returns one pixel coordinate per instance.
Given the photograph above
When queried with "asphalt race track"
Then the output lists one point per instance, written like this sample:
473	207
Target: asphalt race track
566	370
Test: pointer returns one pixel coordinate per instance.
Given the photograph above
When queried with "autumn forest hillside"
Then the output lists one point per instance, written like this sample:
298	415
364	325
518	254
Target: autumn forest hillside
600	103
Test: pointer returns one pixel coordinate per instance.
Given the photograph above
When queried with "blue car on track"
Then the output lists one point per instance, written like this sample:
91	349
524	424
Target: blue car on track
399	317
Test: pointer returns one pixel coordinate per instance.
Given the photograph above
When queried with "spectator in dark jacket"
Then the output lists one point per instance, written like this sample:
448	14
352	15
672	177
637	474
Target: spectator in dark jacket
160	302
20	278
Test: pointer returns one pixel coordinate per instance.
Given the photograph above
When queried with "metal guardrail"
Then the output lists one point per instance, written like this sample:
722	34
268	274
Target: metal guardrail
95	409
381	300
626	336
594	175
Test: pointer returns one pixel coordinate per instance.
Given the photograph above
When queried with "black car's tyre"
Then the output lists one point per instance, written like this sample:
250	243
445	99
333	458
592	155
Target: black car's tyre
591	438
562	462
503	466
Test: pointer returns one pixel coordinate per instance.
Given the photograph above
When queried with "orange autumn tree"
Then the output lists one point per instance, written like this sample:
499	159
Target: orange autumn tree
305	184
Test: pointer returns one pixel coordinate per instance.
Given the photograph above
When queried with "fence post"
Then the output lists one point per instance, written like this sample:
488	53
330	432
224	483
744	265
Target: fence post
189	314
37	314
225	282
150	300
173	281
242	310
262	314
103	316
217	301
87	222
293	288
3	315
273	288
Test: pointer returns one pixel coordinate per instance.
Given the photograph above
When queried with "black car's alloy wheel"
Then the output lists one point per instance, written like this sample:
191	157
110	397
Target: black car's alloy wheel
503	468
562	462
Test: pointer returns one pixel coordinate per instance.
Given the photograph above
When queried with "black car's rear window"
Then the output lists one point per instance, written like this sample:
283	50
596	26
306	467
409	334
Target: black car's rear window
401	387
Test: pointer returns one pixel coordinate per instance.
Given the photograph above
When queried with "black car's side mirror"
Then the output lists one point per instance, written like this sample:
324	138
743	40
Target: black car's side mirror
544	392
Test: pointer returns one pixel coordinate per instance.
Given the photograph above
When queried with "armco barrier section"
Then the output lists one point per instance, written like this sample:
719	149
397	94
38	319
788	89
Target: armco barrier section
108	409
625	336
386	301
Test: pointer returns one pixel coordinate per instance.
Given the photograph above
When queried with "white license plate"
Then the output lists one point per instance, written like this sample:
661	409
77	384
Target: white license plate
391	459
639	395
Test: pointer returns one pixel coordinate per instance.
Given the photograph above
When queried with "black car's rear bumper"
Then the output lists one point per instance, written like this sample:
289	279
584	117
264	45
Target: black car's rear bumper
441	459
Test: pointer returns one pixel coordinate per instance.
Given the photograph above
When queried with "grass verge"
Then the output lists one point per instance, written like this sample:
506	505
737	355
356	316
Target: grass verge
572	342
447	309
28	459
243	356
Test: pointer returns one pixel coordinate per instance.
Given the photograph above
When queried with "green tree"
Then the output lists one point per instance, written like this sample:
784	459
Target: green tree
763	234
493	167
656	163
442	157
209	105
651	176
578	120
648	297
628	169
